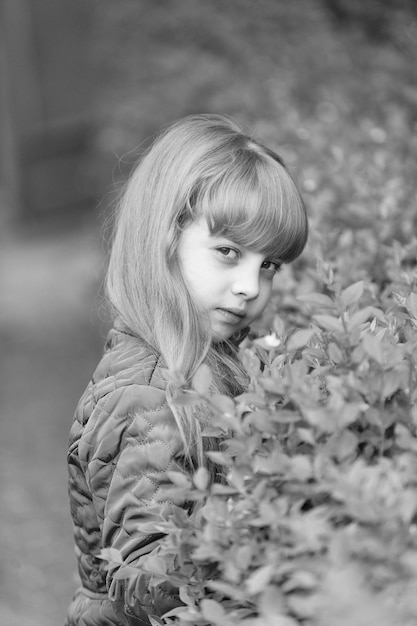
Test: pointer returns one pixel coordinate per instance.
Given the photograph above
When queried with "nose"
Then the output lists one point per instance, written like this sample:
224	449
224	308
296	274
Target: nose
246	283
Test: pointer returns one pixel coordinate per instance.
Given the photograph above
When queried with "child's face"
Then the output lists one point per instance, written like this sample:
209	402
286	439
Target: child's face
231	282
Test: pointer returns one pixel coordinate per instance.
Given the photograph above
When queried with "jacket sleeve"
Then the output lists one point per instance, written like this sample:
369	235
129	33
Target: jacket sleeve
130	442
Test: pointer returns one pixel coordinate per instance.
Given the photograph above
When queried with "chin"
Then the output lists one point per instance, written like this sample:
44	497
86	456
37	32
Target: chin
219	336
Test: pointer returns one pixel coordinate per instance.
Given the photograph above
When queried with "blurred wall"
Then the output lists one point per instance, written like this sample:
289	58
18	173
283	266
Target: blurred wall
45	120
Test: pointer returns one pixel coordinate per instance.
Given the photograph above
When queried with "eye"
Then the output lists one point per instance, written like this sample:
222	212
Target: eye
228	253
271	267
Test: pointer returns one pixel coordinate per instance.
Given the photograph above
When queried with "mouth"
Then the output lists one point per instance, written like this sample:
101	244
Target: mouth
233	316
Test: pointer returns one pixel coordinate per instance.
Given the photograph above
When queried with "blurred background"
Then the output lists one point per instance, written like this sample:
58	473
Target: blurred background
332	84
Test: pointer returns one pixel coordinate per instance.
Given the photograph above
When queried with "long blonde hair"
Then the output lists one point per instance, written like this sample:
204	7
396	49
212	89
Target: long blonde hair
200	166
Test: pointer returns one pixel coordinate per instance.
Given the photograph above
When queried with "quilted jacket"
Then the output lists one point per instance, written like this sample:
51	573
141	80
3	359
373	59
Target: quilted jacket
122	442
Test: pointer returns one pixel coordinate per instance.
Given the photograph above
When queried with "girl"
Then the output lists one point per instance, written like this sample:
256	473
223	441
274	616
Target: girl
205	222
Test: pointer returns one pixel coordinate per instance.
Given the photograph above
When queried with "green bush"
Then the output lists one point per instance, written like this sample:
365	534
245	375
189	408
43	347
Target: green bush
316	521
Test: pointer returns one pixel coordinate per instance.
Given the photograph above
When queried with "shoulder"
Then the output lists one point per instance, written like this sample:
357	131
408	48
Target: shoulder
127	394
128	372
128	360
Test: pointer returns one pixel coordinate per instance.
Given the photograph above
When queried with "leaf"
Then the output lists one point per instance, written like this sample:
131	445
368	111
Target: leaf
286	416
301	468
201	479
177	495
320	299
272	385
261	419
362	315
219	457
273	464
223	490
185	596
281	620
401	300
328	322
320	418
155	620
227	589
185	614
335	353
223	404
111	554
411	304
202	379
125	572
215	510
306	435
237	479
278	361
298	370
179	479
251	362
278	325
259	579
349	413
404	439
413	415
393	380
271	604
305	606
325	272
300	338
213	611
243	556
353	293
407	505
249	398
373	348
346	445
155	565
302	580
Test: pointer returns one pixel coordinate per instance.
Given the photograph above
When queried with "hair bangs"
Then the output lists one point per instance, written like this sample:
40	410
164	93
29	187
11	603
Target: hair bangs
256	205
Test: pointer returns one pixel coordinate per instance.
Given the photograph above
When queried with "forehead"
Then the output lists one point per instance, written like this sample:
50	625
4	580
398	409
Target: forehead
249	210
257	207
195	231
196	237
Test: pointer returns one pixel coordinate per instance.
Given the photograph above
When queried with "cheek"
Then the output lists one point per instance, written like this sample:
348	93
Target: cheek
198	282
190	281
265	295
196	278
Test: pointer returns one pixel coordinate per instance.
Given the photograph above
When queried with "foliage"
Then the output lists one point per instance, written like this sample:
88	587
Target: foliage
315	522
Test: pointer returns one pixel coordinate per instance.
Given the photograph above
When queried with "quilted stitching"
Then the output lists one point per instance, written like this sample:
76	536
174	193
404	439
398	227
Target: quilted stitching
122	442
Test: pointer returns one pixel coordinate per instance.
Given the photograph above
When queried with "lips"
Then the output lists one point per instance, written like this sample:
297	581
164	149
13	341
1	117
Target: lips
232	315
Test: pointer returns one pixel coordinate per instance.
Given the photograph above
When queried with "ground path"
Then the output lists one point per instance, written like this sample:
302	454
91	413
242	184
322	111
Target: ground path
50	341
